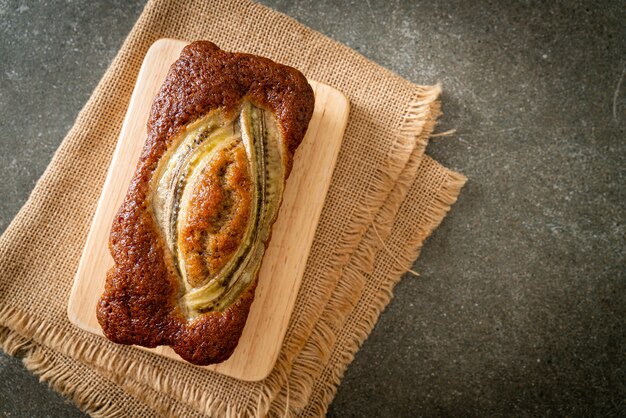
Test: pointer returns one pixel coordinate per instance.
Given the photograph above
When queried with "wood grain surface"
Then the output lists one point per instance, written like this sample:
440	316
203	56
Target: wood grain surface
292	236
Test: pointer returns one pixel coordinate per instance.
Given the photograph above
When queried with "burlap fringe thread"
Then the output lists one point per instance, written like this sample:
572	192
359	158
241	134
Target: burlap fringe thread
313	340
85	395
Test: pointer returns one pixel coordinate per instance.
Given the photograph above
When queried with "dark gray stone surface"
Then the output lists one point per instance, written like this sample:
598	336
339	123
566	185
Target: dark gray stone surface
520	308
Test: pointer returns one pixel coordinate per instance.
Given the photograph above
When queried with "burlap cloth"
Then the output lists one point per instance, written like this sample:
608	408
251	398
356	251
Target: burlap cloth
386	197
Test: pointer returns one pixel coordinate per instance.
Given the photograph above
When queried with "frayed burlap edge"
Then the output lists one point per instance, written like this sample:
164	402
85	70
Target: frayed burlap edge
405	256
160	402
86	394
60	371
90	396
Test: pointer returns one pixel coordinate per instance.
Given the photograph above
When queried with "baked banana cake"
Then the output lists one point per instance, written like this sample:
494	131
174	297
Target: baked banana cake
189	238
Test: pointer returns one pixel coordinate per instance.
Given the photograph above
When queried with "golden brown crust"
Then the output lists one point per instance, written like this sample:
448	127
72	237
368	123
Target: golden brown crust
140	303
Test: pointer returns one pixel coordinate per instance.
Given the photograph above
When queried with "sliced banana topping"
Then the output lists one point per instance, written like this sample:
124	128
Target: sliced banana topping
215	196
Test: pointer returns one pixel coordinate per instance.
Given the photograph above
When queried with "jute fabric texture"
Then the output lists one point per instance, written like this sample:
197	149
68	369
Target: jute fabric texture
385	199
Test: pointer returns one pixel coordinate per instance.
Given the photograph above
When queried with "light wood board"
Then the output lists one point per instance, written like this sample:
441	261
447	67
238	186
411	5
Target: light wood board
292	236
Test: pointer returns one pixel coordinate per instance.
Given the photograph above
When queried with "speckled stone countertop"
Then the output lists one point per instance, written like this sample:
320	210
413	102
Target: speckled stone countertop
520	306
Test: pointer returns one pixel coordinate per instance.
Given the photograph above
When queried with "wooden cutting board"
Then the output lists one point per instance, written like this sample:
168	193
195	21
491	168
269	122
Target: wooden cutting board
292	236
